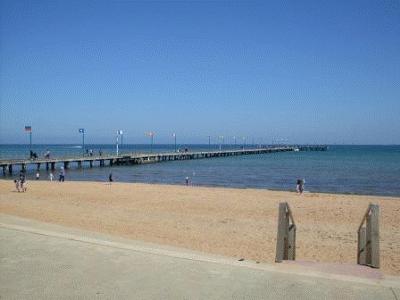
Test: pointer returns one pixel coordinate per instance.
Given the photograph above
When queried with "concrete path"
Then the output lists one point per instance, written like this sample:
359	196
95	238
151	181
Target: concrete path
43	261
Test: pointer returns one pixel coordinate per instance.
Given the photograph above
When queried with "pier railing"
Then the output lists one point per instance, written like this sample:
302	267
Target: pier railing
286	235
368	238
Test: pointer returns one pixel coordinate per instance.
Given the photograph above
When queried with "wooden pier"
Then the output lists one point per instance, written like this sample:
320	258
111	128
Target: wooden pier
8	166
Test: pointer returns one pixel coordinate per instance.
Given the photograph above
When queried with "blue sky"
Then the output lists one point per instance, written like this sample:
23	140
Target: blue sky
303	71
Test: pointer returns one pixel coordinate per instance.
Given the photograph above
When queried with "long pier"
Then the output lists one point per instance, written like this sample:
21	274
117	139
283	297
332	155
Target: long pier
9	165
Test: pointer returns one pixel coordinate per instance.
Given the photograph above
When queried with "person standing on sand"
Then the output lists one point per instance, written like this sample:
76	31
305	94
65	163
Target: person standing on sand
23	186
22	181
300	186
37	175
110	178
62	175
187	180
16	182
51	176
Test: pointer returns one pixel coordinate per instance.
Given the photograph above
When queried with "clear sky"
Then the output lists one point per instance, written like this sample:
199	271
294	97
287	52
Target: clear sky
303	71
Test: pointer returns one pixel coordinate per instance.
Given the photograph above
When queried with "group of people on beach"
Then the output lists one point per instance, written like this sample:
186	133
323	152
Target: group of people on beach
20	184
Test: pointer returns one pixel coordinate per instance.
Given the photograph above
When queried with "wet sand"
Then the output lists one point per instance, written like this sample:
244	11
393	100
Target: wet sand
239	223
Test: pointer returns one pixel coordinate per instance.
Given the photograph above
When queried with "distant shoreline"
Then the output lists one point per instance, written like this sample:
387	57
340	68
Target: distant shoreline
395	197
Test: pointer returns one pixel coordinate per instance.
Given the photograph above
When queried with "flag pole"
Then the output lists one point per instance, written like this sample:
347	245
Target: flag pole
83	143
117	142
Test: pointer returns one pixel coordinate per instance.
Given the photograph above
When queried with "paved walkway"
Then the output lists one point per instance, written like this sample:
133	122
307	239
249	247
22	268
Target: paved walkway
43	261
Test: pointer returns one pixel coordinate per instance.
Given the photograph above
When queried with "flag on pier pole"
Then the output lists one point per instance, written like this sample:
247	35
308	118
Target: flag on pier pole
28	128
81	130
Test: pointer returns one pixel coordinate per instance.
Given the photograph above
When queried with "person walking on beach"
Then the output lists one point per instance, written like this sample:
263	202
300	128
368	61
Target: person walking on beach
110	178
23	186
16	182
21	178
300	186
22	181
37	175
62	175
187	180
51	176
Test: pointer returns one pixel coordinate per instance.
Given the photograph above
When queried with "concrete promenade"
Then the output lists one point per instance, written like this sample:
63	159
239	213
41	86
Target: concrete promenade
44	261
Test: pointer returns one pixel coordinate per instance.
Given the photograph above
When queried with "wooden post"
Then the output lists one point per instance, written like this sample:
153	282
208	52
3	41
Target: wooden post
361	257
368	238
280	239
374	235
292	242
286	234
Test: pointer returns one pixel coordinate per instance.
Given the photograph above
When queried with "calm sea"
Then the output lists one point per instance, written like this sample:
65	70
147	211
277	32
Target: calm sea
341	169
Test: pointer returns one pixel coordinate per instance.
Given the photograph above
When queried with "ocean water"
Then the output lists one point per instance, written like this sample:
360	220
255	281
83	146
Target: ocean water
373	170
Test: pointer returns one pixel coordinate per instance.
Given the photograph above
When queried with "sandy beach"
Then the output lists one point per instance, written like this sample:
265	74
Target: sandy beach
239	223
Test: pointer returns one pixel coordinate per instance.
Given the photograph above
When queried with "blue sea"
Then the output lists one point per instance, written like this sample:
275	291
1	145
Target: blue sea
373	170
